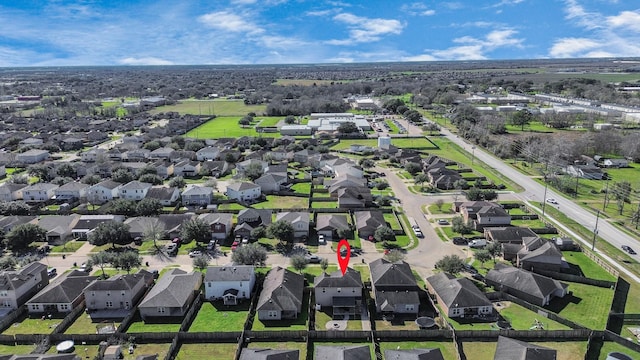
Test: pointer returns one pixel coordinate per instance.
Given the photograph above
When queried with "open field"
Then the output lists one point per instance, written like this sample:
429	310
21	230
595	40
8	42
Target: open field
206	351
225	126
218	107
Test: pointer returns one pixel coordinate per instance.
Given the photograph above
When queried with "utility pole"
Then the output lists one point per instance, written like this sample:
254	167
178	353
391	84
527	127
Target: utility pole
606	195
473	154
544	198
577	182
595	231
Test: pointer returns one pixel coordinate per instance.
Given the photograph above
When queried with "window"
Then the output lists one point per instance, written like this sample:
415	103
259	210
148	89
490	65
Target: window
109	304
122	293
36	307
339	289
409	307
108	293
64	307
161	310
4	293
272	314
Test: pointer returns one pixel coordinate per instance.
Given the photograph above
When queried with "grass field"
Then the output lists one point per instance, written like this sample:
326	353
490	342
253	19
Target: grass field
608	347
70	247
283	202
212	318
32	326
569	350
521	318
206	351
140	326
288	345
16	349
84	325
589	268
447	349
218	107
588	306
225	126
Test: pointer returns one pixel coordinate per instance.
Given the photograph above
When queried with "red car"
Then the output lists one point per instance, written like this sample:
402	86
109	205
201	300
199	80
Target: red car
235	245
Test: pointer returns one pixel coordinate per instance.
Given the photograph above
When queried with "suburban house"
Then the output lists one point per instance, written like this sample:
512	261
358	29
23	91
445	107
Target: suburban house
134	190
229	283
249	219
271	183
298	219
11	192
9	222
136	155
413	354
71	191
103	192
281	296
511	238
120	292
87	223
208	153
38	192
367	222
329	225
172	295
458	297
162	153
92	154
243	191
186	168
353	197
214	168
343	352
591	172
615	163
269	354
443	178
242	166
164	168
510	349
32	156
544	255
343	294
531	287
480	214
62	295
197	195
168	196
59	227
220	224
394	287
16	287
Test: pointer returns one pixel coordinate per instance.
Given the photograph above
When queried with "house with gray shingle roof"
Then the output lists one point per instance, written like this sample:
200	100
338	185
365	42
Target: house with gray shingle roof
298	219
229	283
103	191
11	192
458	297
512	349
116	296
269	354
272	182
71	190
531	287
367	222
546	256
281	296
16	287
172	295
342	293
134	190
59	227
243	191
394	287
329	225
219	223
38	192
197	195
413	354
62	295
343	352
168	196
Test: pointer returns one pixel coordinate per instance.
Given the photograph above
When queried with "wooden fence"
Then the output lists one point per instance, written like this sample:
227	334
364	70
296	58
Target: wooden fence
70	318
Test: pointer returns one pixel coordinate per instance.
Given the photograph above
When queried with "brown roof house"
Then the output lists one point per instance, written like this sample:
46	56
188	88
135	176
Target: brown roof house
531	287
459	297
367	222
481	214
330	225
220	224
394	287
539	254
281	296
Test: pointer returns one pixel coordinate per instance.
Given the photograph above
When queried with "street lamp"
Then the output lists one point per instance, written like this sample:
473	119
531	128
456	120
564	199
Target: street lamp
595	231
544	198
473	154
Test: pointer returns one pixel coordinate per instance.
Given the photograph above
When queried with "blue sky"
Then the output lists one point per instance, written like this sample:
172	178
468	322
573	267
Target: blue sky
166	32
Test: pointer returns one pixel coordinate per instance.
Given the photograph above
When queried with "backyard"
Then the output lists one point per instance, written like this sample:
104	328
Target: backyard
214	316
206	351
447	348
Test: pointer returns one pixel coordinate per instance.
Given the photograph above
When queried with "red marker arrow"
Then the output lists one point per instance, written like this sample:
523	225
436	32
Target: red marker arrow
343	261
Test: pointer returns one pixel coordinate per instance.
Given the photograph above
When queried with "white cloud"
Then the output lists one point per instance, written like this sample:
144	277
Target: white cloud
629	20
227	21
589	20
144	61
507	3
417	9
572	47
364	29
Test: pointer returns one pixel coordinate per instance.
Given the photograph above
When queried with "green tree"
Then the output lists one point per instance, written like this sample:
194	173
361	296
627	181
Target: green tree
473	194
420	179
195	230
298	262
495	249
483	256
40	171
348	127
250	254
521	118
178	182
14	208
91	179
366	163
113	232
384	233
66	170
148	207
122	176
451	264
253	171
8	263
412	168
459	226
201	262
101	259
122	207
281	230
324	264
148	169
258	232
290	119
21	236
151	179
127	260
152	145
245	121
395	255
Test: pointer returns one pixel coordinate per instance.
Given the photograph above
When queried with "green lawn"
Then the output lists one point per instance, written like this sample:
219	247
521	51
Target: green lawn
392	220
567	350
219	107
322	318
140	326
447	348
69	247
303	188
16	349
32	326
283	202
222	127
298	324
206	351
589	268
446	208
609	346
288	345
220	317
522	318
589	305
84	325
231	206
